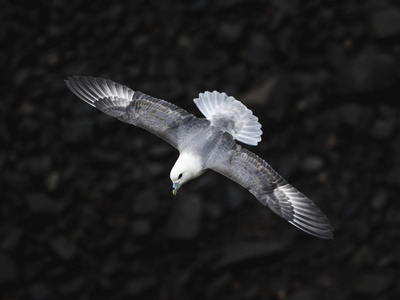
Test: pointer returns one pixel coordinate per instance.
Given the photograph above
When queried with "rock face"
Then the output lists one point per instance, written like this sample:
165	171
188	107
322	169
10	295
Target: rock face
386	23
185	219
8	269
86	210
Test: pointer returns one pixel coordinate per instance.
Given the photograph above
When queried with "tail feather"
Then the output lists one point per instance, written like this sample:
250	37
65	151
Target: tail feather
231	115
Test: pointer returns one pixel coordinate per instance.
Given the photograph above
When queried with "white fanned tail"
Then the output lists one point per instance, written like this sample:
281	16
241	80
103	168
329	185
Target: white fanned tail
231	115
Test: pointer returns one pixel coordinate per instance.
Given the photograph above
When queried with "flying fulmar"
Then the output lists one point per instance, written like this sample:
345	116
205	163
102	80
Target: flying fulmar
207	143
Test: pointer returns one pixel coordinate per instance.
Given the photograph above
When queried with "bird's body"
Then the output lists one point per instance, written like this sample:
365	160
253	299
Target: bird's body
207	143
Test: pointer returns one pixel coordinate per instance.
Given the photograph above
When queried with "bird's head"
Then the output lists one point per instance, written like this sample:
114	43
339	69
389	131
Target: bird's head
186	168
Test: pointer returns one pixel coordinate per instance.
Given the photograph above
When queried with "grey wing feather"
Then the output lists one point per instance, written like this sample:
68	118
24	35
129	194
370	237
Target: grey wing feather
271	189
155	115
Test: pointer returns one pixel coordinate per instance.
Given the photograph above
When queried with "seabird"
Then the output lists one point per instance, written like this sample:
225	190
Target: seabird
207	143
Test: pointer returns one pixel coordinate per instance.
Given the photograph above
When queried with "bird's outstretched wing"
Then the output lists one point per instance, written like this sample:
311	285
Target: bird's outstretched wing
155	115
270	188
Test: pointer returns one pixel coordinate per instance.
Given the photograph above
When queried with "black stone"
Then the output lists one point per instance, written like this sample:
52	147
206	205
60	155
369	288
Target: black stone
40	291
386	23
369	70
8	269
184	222
63	247
78	131
245	252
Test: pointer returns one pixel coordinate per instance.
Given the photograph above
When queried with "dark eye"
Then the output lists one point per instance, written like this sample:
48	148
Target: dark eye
180	176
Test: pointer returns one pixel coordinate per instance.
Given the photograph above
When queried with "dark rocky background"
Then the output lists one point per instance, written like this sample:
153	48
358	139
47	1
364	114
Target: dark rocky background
86	210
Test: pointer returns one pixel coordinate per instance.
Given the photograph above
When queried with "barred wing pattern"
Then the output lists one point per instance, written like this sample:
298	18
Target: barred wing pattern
271	189
155	115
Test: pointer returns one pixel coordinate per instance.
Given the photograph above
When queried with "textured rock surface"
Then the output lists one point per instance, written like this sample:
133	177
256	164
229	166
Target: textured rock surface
86	209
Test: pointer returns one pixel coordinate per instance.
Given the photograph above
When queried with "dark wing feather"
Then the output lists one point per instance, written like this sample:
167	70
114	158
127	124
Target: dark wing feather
155	115
271	189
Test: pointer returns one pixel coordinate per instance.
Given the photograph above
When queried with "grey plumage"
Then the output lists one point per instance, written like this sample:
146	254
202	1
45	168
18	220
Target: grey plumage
155	115
209	142
270	188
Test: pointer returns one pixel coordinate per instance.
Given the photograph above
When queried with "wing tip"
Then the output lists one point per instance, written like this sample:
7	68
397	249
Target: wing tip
323	233
81	89
320	227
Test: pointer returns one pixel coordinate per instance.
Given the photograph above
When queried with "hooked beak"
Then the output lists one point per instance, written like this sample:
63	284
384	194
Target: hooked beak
175	188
